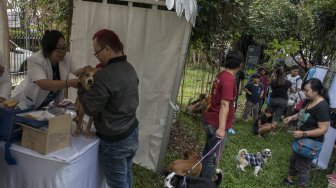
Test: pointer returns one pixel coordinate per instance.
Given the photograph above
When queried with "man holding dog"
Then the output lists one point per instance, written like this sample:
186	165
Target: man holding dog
113	101
219	117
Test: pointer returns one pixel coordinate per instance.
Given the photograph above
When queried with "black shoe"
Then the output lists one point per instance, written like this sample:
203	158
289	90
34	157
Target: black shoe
287	182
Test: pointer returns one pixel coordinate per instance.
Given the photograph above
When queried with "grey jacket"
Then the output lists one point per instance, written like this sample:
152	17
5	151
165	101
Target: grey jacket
113	99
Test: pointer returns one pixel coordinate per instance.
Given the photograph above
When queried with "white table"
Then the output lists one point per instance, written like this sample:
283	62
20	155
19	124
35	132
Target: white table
76	166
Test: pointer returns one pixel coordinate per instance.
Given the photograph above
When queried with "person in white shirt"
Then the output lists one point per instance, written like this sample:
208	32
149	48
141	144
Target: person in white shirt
47	73
295	79
5	82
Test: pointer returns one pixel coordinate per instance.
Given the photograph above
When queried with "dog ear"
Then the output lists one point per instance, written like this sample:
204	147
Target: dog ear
88	67
186	154
79	72
165	173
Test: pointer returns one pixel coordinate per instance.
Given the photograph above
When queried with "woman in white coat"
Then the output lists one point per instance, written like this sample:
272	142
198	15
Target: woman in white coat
5	82
47	73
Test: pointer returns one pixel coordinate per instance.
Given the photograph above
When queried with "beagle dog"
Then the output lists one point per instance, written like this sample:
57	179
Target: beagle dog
183	167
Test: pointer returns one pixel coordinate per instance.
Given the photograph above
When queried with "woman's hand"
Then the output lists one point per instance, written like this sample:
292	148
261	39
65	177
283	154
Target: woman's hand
298	134
73	82
2	100
288	119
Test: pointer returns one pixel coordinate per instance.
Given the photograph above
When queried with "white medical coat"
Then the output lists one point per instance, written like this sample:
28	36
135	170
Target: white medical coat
39	68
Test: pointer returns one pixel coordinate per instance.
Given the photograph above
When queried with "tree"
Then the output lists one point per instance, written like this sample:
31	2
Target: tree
218	25
310	22
40	15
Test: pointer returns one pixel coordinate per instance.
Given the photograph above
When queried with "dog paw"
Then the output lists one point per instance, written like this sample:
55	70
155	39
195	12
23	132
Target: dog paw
77	133
88	134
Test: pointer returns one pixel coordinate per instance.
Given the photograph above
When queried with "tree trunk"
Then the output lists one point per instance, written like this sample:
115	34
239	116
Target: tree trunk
330	75
69	20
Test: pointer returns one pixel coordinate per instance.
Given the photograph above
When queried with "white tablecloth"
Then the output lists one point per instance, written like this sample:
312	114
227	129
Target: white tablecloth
76	166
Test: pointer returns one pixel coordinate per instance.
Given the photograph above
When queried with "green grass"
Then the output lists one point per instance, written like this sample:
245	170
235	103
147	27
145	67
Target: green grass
274	170
144	178
188	133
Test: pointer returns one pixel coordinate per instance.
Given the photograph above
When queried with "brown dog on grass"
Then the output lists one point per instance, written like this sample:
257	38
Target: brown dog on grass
85	76
183	166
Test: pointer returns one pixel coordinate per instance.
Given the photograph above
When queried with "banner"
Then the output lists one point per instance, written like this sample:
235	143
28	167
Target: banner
252	59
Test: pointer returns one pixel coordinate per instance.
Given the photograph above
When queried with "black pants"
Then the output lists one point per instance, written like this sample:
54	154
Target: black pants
300	166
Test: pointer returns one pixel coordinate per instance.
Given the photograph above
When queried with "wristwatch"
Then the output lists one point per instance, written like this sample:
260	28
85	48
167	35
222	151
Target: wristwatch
304	134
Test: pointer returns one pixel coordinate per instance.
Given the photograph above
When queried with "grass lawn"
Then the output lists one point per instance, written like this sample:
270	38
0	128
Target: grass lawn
274	170
187	132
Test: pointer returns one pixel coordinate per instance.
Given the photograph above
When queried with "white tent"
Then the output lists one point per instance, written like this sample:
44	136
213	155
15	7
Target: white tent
156	43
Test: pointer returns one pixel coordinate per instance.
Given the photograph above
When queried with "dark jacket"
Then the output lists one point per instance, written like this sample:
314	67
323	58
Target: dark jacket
113	99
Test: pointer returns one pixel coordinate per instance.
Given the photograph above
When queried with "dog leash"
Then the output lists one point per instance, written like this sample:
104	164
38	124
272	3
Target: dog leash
219	155
206	155
219	142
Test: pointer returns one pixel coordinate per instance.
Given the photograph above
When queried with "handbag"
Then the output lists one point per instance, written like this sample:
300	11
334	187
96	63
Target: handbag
307	147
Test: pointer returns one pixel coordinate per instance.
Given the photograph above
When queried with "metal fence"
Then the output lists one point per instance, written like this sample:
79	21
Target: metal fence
21	47
23	42
197	79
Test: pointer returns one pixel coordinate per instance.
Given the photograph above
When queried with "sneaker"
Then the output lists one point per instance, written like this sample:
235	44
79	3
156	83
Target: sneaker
287	182
231	131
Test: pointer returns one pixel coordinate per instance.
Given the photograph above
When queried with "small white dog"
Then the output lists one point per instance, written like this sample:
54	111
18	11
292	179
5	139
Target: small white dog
255	160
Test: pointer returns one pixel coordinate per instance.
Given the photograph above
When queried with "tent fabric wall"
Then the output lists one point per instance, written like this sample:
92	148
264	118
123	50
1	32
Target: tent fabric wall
155	44
4	48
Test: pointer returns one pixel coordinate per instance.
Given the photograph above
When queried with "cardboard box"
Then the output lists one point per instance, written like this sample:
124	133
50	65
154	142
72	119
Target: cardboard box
55	137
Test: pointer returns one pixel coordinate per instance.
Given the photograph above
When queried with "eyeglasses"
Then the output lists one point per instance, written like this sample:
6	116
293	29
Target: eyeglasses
61	49
97	52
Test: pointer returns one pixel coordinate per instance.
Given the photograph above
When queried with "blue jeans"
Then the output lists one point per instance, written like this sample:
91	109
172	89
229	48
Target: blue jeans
117	160
209	162
278	105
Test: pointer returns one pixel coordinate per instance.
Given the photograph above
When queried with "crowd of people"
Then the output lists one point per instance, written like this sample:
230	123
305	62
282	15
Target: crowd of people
288	98
112	100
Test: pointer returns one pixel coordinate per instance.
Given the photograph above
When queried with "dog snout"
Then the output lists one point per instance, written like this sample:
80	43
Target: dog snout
89	82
